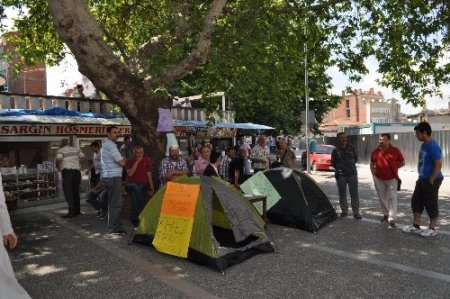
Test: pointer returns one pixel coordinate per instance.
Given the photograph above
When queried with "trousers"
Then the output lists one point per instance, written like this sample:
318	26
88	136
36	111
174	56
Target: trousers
71	188
352	182
387	193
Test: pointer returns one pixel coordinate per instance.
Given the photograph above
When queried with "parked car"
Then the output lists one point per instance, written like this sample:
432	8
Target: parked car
320	158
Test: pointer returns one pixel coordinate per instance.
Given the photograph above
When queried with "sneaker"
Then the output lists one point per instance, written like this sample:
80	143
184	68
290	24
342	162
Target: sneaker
102	215
385	218
412	229
429	232
119	232
357	216
391	223
344	214
99	213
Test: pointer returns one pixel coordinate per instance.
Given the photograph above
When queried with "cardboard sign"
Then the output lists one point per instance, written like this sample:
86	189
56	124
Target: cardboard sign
173	233
259	184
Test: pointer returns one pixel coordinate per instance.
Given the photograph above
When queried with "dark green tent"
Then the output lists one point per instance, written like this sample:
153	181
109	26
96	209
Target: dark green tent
303	203
226	229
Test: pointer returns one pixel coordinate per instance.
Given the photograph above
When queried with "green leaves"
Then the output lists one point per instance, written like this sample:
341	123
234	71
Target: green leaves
259	47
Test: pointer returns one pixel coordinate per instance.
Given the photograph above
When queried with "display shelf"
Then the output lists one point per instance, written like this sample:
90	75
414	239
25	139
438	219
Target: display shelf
28	187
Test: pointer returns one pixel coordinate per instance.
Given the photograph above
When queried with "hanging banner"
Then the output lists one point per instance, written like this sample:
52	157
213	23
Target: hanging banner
165	122
176	219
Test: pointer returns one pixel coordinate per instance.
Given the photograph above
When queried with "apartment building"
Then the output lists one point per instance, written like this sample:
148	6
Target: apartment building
360	108
31	80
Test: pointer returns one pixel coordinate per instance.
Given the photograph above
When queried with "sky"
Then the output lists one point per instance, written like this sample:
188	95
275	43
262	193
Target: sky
67	73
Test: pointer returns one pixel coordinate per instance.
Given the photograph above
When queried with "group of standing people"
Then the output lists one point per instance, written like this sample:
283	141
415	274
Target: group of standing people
110	167
385	161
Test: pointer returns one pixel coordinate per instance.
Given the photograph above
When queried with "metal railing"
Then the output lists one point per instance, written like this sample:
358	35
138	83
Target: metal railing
85	105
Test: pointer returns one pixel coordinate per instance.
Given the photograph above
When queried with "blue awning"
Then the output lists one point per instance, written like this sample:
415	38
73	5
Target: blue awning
248	126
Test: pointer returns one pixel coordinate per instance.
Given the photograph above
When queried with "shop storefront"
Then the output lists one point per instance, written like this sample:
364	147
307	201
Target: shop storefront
28	148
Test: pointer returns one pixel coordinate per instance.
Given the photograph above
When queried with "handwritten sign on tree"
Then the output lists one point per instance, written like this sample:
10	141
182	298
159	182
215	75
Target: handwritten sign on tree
174	229
165	122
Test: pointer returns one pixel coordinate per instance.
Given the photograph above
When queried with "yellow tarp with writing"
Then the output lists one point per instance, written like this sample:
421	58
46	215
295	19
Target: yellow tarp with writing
176	219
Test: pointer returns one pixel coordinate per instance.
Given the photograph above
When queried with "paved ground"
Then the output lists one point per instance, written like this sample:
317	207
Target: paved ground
346	259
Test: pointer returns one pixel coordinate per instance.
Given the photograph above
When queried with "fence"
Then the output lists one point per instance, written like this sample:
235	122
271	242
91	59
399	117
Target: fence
406	142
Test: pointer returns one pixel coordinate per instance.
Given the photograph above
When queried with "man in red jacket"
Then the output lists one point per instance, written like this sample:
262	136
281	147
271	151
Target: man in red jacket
385	161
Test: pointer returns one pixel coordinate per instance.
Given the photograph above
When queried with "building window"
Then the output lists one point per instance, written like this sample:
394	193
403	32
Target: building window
347	104
347	112
12	103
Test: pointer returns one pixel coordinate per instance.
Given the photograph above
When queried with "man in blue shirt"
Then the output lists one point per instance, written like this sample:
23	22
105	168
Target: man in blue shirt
425	194
112	165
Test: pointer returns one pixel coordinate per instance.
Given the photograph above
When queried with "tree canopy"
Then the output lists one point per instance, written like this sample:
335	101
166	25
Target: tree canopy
137	52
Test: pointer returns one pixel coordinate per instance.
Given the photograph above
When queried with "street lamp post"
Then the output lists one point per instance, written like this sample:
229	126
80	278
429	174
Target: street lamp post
308	162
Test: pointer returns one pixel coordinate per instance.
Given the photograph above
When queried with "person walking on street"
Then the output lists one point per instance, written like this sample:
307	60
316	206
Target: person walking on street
425	195
343	159
385	161
68	159
9	286
139	182
112	166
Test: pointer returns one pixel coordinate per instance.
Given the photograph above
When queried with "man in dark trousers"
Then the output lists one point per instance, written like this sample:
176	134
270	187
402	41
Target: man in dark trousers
343	159
139	182
68	160
425	196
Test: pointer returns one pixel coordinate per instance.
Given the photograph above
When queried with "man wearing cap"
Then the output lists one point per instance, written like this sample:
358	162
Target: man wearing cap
425	196
68	160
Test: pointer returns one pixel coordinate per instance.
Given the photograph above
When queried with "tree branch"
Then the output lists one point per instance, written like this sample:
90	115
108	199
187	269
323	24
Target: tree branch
197	56
84	36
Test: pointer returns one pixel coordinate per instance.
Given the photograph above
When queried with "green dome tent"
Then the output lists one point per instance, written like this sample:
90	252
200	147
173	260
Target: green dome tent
205	220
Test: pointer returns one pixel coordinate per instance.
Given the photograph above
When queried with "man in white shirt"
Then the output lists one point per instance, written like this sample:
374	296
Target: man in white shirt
260	155
68	160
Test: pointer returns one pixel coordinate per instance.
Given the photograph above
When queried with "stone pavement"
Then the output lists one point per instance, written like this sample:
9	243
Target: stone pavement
74	258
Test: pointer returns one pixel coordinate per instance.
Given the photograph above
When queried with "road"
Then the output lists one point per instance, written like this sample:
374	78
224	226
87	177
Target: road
347	258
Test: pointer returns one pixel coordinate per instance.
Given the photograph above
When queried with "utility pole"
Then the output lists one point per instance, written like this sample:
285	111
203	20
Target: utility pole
308	160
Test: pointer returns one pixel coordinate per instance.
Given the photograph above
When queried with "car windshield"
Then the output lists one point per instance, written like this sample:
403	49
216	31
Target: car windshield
324	149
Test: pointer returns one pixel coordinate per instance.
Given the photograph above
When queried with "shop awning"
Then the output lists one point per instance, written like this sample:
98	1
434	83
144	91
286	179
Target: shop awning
247	126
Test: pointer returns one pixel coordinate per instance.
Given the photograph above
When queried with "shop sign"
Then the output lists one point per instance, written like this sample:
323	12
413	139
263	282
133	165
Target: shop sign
203	131
45	129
